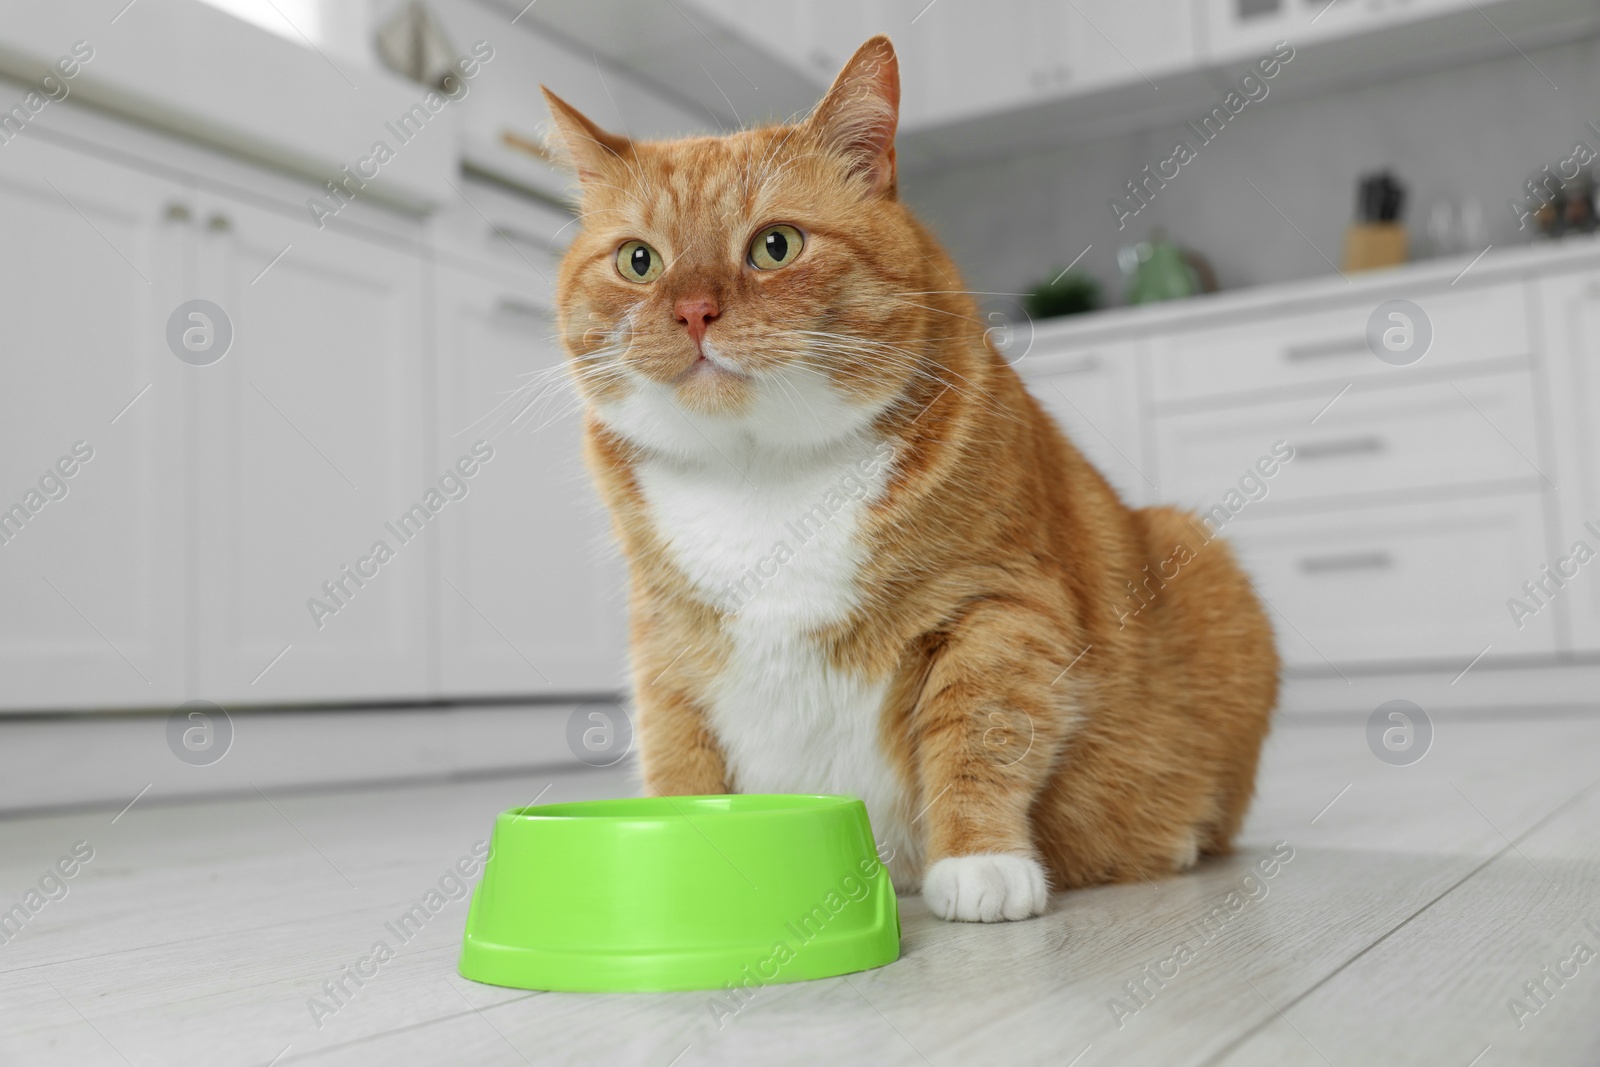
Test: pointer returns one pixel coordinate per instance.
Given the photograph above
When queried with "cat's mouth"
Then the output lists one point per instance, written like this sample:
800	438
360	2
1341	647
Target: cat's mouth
711	365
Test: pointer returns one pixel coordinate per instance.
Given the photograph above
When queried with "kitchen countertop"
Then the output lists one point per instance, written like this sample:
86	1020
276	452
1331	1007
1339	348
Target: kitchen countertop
1495	264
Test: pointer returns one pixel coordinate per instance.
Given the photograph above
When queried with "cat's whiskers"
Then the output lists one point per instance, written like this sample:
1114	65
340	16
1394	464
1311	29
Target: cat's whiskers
984	402
937	311
538	388
884	347
629	193
633	168
766	177
529	382
879	353
962	292
580	218
675	259
766	160
792	392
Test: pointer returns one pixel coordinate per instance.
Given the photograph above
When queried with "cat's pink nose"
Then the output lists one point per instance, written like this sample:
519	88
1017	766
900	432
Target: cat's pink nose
695	312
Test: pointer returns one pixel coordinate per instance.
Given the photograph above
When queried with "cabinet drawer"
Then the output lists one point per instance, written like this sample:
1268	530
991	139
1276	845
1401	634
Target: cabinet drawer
1433	434
1414	582
1330	347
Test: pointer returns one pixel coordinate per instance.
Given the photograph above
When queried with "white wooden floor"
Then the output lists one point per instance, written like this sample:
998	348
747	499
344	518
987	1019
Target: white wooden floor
1418	902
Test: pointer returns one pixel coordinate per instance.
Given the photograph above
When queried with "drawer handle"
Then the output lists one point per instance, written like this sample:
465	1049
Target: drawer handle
1343	346
1353	561
508	305
1086	365
1345	446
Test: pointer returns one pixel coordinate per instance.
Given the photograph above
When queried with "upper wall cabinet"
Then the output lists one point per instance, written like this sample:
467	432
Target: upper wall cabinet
982	59
1116	43
965	59
1031	36
1009	74
1240	28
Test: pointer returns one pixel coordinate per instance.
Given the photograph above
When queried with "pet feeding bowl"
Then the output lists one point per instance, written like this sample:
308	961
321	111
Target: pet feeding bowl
664	893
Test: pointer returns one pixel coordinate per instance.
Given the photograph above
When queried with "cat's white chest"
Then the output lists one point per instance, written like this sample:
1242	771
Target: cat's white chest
778	550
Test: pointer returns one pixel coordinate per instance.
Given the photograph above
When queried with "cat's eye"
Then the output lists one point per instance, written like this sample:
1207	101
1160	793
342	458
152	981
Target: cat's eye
775	246
638	262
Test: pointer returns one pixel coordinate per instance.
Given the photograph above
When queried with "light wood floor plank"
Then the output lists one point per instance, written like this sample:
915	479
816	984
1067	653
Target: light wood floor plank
1441	989
199	931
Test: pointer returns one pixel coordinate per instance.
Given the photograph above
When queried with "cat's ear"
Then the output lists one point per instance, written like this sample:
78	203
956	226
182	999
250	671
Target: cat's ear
587	147
859	114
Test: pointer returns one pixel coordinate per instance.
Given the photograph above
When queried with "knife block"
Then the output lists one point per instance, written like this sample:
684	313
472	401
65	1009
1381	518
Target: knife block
1371	245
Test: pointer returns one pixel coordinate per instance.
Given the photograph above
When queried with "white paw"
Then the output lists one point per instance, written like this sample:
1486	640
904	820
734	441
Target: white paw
987	889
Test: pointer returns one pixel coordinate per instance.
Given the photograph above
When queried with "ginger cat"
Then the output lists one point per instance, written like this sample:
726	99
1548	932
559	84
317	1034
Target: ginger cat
863	558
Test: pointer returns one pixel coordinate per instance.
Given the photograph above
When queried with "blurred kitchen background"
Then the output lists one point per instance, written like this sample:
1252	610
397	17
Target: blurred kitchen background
244	347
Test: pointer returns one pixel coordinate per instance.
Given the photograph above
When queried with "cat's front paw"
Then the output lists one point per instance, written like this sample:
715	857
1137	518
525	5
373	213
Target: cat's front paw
990	888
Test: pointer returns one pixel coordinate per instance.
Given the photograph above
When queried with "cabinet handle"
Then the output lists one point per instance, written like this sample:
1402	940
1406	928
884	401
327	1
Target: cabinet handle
1345	446
510	305
1353	561
1087	365
1342	346
177	212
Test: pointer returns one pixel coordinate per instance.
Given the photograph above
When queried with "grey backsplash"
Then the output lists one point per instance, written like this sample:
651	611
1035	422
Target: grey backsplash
1478	130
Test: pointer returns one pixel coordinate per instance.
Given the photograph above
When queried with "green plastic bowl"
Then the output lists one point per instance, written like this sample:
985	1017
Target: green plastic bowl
666	893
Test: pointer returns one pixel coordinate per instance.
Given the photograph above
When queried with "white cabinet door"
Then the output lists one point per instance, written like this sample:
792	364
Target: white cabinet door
314	516
1571	309
831	31
1247	29
1121	41
1093	395
773	24
828	32
985	58
93	461
532	592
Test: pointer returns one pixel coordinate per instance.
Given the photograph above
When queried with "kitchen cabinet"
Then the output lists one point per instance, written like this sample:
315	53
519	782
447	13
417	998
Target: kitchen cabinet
91	566
1571	306
1373	442
1114	43
1407	584
826	33
1008	76
221	541
1240	29
1321	347
780	25
1029	33
1053	49
312	437
1092	392
1420	501
531	591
